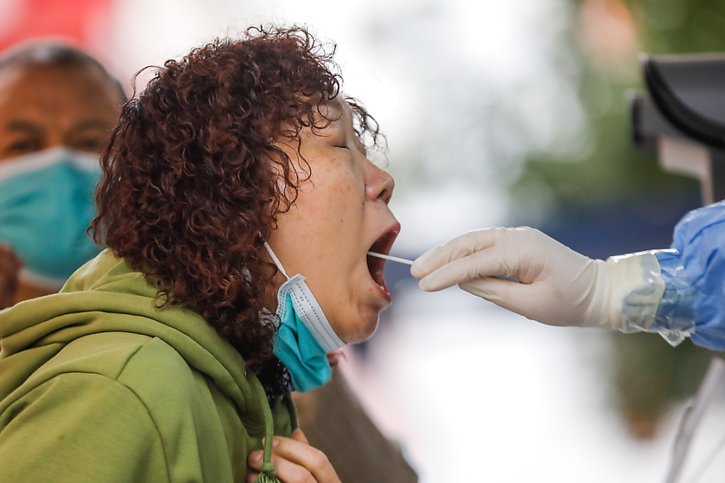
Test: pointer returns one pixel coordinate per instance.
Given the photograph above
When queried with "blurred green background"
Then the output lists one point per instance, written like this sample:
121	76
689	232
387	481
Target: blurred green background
607	177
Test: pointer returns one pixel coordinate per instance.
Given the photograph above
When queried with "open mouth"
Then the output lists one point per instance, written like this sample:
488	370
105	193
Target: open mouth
382	245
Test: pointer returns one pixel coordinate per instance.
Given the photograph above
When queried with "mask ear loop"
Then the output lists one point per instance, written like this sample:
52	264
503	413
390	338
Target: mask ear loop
275	260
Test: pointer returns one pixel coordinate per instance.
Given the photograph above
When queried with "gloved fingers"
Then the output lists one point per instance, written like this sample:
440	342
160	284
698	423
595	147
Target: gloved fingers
476	266
521	298
461	246
514	296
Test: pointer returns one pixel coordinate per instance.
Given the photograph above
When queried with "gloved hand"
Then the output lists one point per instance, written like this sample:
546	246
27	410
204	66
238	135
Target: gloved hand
527	272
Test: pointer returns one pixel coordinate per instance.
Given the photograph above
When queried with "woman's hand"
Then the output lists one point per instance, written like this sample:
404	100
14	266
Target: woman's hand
9	270
295	461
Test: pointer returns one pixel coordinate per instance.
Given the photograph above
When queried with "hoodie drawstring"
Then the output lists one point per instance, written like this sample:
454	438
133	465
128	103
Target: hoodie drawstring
268	473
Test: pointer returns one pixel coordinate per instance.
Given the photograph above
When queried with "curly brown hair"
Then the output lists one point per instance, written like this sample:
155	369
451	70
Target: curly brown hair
190	182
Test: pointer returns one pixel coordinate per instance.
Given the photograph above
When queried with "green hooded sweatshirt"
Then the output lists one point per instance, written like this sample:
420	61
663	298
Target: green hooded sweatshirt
99	385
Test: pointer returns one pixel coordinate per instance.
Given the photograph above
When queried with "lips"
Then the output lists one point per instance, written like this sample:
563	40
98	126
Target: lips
376	265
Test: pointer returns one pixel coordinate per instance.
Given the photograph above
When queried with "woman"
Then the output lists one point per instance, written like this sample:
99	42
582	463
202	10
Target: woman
236	167
58	106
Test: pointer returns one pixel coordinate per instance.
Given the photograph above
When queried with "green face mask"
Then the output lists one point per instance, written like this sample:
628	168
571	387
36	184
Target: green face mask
46	204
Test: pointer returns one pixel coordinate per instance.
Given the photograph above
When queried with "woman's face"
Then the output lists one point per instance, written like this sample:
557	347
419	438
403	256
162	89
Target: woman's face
340	213
46	106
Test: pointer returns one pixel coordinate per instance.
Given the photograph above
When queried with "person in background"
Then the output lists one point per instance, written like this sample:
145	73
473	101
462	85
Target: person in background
58	106
676	292
9	269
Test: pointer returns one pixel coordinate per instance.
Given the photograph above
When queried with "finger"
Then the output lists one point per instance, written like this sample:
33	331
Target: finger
458	247
252	476
516	297
285	470
497	290
255	459
335	357
306	456
482	264
298	435
288	471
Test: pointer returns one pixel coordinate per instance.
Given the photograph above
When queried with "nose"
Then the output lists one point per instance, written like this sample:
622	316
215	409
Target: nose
379	185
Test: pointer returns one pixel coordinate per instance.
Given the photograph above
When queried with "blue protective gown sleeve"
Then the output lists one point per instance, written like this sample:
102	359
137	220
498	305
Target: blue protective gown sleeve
693	271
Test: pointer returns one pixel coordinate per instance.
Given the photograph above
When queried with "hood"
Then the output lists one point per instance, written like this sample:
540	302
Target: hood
106	295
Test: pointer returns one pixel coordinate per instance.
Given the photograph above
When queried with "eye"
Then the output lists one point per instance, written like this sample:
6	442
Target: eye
93	144
23	146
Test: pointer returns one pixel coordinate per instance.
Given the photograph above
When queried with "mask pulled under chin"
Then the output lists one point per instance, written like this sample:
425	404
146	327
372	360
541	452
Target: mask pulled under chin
46	204
304	336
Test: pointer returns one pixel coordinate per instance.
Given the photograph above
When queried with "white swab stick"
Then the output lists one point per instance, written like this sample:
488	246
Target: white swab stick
391	258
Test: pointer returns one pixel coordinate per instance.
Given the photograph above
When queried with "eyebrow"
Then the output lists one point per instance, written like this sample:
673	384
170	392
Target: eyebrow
15	125
338	106
92	124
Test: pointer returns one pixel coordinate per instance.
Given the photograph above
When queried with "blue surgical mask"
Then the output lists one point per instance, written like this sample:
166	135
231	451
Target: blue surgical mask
46	204
304	336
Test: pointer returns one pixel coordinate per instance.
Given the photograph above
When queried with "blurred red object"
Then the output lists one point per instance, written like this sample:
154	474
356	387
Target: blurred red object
83	22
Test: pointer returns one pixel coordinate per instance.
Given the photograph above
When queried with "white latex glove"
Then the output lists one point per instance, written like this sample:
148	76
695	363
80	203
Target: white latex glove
547	281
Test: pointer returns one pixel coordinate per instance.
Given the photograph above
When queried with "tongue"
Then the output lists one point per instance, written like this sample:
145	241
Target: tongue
375	267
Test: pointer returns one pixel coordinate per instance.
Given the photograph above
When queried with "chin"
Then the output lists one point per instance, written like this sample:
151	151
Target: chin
363	329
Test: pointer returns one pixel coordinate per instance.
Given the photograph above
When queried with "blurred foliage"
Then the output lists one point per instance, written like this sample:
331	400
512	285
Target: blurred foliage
646	373
680	26
607	167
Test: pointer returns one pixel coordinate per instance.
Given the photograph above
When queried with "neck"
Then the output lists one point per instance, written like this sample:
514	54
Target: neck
270	292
